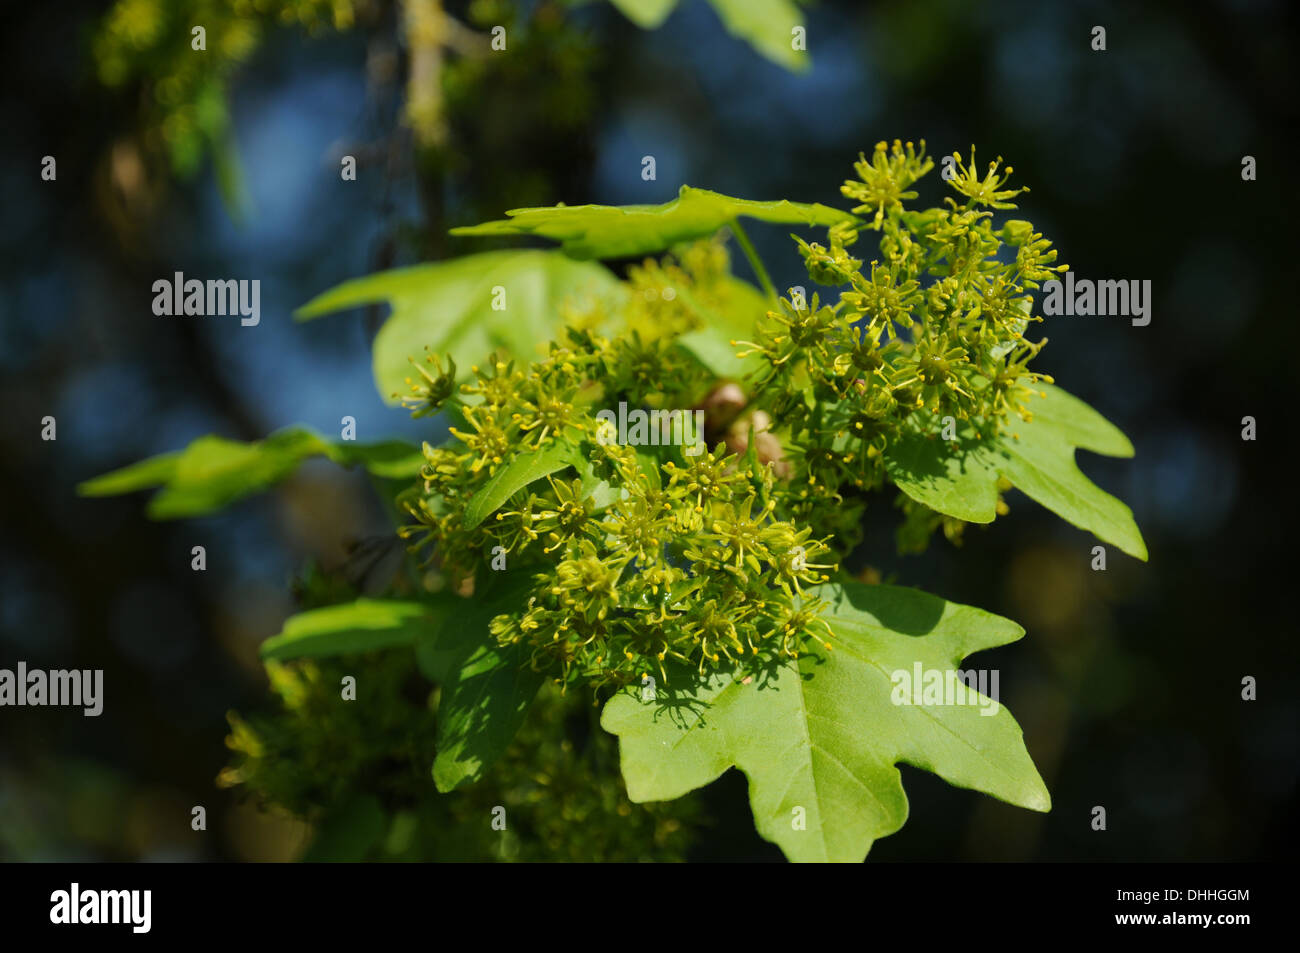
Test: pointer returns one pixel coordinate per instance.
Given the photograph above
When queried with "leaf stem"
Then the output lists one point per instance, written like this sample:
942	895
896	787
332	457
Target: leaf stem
754	261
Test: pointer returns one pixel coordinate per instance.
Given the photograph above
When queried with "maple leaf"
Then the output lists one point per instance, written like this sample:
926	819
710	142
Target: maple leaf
819	738
959	478
620	231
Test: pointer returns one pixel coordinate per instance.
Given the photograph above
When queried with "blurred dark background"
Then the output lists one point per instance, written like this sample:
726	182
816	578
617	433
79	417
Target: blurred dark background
1128	683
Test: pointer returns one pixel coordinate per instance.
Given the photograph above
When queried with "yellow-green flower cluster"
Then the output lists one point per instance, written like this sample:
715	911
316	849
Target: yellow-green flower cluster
638	558
933	327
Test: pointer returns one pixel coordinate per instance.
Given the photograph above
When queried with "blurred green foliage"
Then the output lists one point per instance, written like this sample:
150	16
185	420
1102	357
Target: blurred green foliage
153	46
359	772
472	112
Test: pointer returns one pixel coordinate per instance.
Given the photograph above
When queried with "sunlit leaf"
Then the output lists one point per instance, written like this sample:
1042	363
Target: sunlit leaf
647	14
819	739
767	25
731	316
517	474
213	472
467	308
959	478
619	231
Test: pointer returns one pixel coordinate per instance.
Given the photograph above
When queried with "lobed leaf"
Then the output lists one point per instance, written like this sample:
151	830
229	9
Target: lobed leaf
611	231
823	734
213	472
448	307
1036	456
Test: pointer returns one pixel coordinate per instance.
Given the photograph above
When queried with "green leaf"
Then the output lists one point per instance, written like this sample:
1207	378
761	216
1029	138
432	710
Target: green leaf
961	484
486	689
768	26
481	711
765	24
361	626
144	475
1037	457
732	318
210	473
389	459
517	474
448	307
348	833
647	14
213	472
1078	423
442	656
597	493
824	734
612	231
